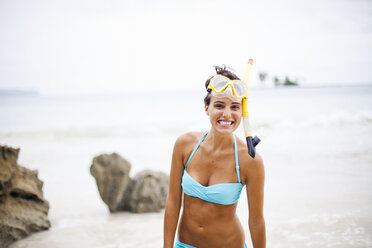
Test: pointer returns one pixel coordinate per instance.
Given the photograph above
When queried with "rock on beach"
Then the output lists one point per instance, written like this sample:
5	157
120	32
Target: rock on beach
146	192
149	192
112	178
23	209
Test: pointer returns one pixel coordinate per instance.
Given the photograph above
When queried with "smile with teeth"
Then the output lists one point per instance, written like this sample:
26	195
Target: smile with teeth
225	123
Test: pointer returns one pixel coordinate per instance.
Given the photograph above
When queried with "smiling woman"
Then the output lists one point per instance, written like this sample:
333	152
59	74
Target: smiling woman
223	108
211	168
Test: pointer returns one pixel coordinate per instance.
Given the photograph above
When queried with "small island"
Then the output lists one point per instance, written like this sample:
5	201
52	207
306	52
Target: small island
13	92
277	81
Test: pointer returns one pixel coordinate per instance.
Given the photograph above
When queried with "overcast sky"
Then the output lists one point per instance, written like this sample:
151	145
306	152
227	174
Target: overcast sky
92	46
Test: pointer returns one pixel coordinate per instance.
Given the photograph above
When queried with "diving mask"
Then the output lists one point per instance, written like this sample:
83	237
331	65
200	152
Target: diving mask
219	83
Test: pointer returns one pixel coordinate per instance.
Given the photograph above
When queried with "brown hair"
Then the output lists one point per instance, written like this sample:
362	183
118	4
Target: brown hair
224	71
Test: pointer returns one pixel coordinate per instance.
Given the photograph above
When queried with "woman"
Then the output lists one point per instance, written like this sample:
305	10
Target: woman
211	168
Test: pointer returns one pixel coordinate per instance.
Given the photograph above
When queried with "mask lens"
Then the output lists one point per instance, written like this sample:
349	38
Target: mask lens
219	83
240	89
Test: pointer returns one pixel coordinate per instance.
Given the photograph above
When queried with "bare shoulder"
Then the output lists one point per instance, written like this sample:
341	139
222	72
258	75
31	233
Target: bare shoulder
189	138
185	144
249	166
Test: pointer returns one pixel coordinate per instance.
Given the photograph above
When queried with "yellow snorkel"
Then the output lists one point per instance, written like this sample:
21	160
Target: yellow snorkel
251	142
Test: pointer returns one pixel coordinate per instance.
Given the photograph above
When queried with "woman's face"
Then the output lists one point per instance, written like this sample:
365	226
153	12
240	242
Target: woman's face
224	113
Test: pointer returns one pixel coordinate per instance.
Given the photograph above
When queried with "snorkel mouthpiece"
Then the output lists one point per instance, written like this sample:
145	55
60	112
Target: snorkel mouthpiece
251	142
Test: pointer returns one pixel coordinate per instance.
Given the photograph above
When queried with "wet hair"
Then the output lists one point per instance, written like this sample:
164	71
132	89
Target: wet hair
224	71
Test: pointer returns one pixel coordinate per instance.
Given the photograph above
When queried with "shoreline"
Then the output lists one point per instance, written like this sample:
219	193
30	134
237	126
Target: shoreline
129	230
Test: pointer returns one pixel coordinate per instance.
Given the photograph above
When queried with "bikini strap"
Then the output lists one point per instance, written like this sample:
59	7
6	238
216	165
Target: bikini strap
196	148
236	159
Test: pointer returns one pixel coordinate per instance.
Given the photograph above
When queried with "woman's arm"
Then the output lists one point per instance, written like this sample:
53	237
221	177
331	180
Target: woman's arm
255	195
174	199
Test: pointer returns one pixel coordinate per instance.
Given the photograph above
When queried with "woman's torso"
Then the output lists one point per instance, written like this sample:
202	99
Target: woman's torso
204	223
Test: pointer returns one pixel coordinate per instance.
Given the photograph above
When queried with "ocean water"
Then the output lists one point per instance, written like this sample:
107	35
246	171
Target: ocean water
316	145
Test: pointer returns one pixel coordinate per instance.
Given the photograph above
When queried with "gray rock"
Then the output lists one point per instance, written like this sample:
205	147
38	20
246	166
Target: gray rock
111	172
147	192
23	209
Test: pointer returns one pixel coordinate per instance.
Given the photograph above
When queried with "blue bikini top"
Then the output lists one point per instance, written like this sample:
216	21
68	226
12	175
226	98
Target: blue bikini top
222	193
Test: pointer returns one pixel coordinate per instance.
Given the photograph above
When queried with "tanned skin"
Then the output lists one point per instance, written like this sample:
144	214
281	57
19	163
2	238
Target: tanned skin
204	224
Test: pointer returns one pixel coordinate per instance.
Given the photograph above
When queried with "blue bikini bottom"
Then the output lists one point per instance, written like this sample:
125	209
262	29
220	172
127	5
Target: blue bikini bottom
179	244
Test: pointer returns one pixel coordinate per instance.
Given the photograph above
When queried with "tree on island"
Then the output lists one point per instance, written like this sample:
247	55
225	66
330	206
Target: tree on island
276	81
288	82
262	76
